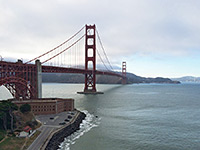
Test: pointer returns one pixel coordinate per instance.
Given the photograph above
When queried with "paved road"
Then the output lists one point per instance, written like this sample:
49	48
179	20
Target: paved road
41	138
48	126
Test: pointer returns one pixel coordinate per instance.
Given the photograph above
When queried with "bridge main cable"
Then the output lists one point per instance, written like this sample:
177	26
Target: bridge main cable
102	47
56	46
63	50
102	60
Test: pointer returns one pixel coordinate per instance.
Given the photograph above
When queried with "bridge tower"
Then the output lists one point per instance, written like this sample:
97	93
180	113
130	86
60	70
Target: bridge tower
90	56
90	48
124	80
90	60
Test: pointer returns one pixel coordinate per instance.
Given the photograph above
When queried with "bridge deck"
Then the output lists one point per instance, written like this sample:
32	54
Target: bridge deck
52	69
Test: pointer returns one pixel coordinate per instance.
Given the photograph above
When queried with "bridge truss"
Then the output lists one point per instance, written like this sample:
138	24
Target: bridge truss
23	80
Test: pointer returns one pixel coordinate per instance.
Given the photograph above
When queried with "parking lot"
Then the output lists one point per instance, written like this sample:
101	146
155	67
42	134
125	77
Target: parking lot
56	119
49	124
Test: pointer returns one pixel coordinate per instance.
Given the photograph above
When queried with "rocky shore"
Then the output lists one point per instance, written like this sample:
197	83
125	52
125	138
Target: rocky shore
59	136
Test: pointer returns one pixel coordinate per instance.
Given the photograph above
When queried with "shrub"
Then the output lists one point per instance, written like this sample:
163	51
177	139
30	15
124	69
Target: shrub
25	108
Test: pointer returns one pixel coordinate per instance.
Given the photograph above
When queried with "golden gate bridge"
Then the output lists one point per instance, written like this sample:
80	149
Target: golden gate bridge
24	80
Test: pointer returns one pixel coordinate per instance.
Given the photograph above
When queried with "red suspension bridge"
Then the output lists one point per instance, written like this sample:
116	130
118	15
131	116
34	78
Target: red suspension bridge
24	80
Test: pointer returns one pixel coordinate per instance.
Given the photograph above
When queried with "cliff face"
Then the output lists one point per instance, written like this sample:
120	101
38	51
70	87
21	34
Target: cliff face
101	79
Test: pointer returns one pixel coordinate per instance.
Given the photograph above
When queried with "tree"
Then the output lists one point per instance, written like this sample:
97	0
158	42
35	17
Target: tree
11	121
3	119
25	108
6	110
11	108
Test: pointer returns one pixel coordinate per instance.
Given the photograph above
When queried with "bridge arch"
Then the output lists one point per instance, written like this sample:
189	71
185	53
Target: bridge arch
5	93
18	87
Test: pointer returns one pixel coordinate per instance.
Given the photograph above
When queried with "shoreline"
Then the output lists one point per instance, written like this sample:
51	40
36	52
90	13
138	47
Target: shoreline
57	137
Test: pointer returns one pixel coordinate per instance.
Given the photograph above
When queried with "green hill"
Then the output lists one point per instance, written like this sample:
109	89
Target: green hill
101	79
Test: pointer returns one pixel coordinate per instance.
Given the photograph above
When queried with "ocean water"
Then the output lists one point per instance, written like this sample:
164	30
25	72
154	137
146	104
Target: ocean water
133	117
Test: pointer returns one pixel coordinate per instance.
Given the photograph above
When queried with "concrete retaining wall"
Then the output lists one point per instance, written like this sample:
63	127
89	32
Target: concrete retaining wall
60	135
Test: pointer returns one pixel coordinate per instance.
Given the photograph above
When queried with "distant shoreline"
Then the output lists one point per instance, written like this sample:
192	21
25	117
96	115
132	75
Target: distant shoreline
102	79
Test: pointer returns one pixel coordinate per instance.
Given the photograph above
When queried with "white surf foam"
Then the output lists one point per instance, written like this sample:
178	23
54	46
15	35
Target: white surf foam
87	124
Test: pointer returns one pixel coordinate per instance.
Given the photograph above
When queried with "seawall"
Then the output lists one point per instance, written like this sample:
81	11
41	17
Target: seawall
58	136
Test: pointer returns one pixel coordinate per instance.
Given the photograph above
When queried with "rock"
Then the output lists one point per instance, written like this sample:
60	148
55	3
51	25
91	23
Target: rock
59	136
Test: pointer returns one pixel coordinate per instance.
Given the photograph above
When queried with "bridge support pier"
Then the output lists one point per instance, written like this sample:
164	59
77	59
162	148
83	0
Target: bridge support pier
90	60
39	78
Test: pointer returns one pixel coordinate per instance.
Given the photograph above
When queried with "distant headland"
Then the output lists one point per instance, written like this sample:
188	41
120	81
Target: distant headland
79	78
188	79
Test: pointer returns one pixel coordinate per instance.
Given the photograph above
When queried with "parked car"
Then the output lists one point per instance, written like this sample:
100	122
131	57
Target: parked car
71	113
62	123
70	117
67	120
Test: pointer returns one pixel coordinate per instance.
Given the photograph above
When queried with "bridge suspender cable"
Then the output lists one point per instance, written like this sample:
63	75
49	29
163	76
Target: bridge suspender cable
57	46
64	50
100	42
102	59
100	56
104	50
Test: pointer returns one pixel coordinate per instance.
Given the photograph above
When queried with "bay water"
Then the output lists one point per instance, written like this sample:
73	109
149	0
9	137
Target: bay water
133	117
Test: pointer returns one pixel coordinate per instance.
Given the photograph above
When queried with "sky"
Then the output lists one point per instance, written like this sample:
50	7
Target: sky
157	38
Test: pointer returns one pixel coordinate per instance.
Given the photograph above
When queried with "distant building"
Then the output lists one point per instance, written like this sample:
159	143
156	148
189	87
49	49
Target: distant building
26	132
28	129
23	134
46	106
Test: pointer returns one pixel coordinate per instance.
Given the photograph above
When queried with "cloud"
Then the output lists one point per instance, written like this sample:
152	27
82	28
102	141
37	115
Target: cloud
127	27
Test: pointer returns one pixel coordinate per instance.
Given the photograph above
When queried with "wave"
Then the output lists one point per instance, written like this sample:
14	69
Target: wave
87	124
147	93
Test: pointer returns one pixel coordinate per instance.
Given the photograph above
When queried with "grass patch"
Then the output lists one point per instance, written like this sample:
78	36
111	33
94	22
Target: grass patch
12	143
15	143
2	134
31	139
38	125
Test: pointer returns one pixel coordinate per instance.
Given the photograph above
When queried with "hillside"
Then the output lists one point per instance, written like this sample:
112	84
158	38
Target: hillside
79	78
25	119
188	79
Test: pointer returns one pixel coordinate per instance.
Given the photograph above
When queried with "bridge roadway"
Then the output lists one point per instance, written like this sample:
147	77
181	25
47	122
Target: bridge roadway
24	81
11	67
52	69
